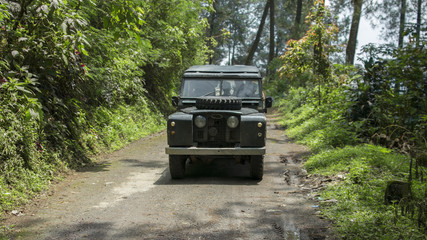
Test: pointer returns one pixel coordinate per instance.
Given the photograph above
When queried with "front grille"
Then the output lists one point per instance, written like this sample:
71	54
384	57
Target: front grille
216	132
200	134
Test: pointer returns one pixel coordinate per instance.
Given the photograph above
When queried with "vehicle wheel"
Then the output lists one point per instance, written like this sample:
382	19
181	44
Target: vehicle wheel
177	166
257	167
220	103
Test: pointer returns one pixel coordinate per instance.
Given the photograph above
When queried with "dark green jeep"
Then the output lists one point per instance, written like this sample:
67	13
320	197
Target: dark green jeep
221	114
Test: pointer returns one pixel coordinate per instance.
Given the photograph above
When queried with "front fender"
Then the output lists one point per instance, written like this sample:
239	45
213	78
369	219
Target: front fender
253	130
180	129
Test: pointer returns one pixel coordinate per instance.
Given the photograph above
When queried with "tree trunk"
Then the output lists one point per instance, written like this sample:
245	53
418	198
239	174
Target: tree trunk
23	11
298	16
402	22
272	39
229	54
318	52
258	35
419	22
233	53
212	20
352	39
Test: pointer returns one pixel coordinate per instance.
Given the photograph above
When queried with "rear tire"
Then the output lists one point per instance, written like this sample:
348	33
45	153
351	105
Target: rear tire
257	167
177	166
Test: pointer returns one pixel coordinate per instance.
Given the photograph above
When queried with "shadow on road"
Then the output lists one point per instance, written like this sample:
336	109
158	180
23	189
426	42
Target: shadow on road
218	172
279	141
95	167
183	226
106	230
135	163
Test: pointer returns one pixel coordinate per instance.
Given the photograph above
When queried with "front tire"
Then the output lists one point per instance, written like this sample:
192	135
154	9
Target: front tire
177	166
257	167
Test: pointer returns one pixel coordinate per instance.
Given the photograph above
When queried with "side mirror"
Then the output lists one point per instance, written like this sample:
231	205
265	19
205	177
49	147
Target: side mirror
268	102
175	101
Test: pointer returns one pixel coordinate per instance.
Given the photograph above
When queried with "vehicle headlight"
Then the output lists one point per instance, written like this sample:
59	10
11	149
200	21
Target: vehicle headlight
200	121
232	122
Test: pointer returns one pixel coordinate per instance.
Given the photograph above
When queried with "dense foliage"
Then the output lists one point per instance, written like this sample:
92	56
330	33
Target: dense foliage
78	76
366	125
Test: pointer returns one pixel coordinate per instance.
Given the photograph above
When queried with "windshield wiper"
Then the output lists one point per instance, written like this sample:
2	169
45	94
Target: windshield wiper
209	93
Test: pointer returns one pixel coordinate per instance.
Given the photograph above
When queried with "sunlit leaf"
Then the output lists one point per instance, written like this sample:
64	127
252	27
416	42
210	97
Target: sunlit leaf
85	52
15	54
23	89
64	27
64	58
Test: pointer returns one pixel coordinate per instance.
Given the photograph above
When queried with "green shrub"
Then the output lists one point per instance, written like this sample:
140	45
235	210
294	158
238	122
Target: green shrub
23	169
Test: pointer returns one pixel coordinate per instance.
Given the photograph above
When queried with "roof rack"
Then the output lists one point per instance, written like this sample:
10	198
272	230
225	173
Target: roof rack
216	71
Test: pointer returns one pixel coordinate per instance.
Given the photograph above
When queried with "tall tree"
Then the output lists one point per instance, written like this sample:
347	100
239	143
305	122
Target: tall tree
297	23
258	35
354	29
230	22
402	22
309	56
418	28
393	15
234	26
211	33
272	38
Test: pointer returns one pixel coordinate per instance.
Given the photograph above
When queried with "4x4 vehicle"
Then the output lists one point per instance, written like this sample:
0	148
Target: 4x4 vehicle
221	114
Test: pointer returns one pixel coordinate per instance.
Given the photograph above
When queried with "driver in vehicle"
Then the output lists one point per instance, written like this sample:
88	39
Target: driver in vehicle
226	89
247	89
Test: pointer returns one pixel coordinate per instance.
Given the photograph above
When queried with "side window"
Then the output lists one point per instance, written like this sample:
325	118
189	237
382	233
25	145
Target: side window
256	88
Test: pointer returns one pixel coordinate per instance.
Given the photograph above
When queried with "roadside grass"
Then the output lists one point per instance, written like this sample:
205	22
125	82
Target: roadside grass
106	130
123	125
356	203
317	130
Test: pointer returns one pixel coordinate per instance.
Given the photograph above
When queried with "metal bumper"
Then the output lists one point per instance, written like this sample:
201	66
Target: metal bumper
214	151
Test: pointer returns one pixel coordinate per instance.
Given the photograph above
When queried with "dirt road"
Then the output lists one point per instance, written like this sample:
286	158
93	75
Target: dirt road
130	195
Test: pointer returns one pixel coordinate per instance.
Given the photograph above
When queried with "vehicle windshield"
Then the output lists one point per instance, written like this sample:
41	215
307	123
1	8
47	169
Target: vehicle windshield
194	88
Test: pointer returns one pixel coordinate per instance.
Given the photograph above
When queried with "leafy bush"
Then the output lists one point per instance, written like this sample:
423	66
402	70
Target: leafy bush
390	98
80	76
25	165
